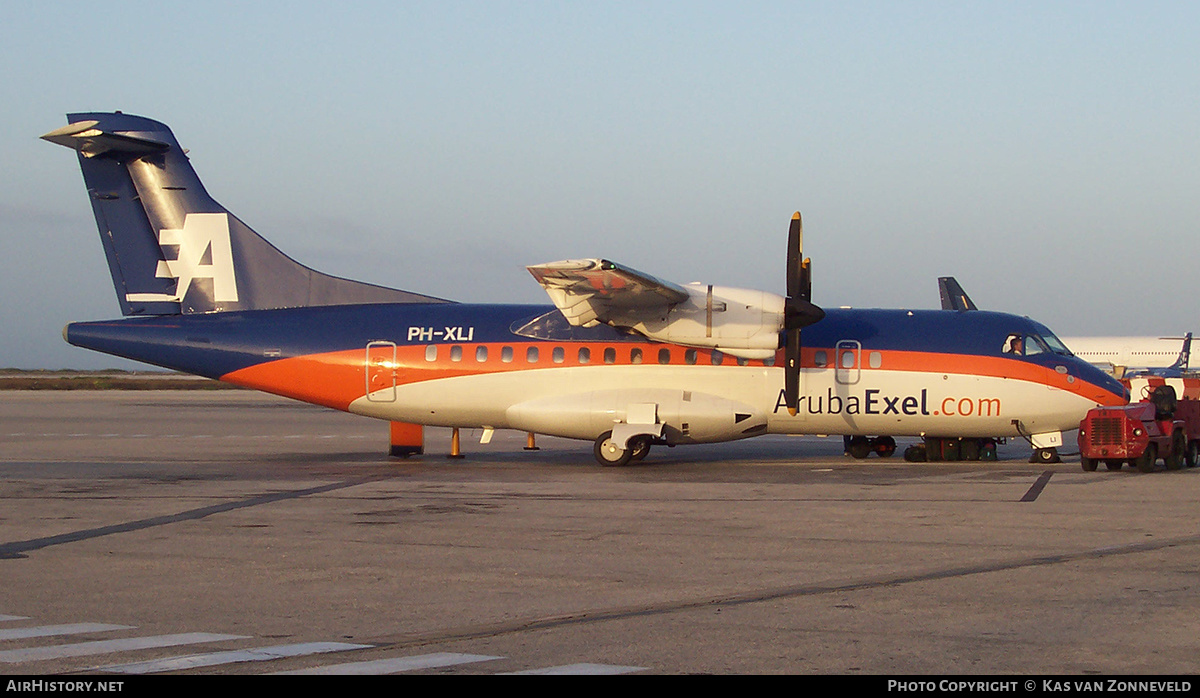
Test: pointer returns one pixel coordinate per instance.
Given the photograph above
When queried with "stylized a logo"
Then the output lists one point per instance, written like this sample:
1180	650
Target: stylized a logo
204	252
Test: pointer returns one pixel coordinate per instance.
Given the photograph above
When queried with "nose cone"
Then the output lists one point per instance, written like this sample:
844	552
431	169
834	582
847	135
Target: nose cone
1109	391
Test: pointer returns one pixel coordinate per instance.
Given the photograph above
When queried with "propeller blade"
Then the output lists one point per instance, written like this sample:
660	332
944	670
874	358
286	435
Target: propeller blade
799	312
791	372
795	257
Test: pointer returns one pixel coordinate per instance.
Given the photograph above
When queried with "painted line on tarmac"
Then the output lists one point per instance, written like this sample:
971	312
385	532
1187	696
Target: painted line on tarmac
16	549
83	649
258	654
1038	486
53	630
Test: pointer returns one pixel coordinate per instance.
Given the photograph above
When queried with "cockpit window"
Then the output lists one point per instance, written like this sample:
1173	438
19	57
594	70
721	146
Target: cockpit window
1034	345
1031	344
1056	345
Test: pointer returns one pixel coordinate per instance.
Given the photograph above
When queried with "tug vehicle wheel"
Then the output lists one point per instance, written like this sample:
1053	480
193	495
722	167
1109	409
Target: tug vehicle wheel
1145	463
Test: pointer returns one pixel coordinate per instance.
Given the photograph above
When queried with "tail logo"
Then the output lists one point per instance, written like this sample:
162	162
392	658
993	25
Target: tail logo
203	252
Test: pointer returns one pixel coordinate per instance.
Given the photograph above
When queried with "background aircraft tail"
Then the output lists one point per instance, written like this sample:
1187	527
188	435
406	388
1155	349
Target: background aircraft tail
171	248
953	295
1185	354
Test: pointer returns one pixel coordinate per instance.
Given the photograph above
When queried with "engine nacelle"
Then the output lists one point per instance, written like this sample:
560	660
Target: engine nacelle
740	322
685	416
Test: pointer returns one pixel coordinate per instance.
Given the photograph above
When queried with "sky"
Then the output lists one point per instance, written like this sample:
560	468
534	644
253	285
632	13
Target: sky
1047	154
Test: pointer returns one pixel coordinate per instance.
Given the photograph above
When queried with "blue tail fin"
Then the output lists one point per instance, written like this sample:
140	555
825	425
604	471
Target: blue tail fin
1184	354
171	248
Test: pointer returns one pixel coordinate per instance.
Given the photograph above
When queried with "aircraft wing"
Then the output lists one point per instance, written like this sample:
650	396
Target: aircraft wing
594	291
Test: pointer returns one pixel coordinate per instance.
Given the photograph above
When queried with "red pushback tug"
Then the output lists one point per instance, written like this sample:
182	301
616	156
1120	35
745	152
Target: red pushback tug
1160	426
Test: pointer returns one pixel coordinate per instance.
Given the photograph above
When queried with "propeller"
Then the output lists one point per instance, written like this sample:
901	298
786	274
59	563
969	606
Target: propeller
799	312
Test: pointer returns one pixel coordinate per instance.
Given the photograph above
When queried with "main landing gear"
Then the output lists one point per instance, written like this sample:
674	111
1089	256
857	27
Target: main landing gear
609	452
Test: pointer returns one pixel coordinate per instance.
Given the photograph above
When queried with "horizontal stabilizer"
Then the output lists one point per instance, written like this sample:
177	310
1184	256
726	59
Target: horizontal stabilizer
91	141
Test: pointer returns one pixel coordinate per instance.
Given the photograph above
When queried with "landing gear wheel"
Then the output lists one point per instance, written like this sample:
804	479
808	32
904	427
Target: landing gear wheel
860	447
1089	464
915	453
884	446
639	448
1045	455
609	452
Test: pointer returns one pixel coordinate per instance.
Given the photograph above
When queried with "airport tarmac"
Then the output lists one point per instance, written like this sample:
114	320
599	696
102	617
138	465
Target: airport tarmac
232	532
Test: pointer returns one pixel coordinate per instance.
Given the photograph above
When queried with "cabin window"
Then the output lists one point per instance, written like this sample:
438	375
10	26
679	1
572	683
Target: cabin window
506	355
821	359
531	355
717	358
664	356
635	356
585	355
689	357
743	362
610	356
481	353
769	361
558	355
456	353
875	359
847	359
431	352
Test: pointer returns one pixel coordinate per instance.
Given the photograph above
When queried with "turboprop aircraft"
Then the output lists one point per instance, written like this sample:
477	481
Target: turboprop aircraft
621	359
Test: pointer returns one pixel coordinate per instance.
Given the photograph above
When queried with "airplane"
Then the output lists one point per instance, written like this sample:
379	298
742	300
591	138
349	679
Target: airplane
1130	357
1121	356
621	359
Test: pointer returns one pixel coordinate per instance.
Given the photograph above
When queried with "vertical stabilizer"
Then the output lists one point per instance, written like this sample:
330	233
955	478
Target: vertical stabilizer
953	295
171	248
1185	354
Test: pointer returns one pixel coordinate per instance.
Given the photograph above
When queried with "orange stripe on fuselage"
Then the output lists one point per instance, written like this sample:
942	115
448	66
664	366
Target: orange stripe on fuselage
336	379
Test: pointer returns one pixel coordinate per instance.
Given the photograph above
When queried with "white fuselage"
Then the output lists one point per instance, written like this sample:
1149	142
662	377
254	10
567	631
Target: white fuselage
582	401
1139	352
